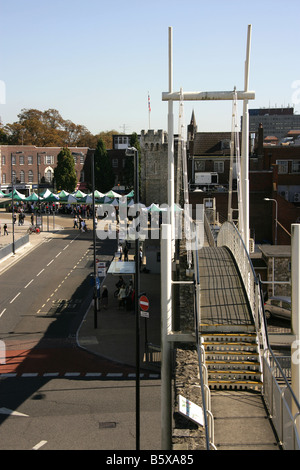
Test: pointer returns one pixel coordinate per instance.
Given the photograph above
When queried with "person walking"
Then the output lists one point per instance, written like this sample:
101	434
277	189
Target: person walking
5	229
104	298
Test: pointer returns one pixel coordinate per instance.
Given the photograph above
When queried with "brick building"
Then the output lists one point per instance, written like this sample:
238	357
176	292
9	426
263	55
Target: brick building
32	166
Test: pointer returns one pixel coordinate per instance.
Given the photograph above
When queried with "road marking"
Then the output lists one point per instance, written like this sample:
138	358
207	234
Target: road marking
50	262
40	272
15	298
65	247
7	411
58	254
39	445
28	283
2	312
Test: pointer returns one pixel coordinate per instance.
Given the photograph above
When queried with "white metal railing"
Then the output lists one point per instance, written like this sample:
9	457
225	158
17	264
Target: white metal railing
280	399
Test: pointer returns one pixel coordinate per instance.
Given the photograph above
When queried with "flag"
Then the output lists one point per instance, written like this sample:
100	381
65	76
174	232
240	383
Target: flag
149	106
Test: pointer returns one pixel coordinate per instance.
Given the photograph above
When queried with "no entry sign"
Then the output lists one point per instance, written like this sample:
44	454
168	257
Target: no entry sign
144	303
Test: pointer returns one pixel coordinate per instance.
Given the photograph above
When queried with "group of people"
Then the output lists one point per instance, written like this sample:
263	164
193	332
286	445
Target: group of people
125	294
79	223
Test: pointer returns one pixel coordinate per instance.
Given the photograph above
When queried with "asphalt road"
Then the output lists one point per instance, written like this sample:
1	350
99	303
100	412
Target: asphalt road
49	397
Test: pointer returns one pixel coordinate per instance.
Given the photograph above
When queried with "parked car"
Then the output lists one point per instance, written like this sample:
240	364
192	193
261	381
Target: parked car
278	307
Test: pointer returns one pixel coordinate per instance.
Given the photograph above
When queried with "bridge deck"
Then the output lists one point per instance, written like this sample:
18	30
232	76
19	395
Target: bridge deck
222	294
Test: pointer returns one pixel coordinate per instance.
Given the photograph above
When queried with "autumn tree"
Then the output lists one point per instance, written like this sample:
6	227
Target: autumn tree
64	173
104	175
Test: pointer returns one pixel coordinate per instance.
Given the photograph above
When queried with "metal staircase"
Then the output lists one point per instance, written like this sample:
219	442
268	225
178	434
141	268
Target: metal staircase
232	360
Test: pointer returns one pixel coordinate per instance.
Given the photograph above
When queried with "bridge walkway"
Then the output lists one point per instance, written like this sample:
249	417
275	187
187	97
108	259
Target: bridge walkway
228	335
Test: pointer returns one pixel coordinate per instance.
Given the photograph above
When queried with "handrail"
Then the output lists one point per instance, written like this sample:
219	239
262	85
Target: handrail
258	312
206	412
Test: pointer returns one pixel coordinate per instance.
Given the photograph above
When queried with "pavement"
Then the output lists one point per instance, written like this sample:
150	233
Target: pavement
113	335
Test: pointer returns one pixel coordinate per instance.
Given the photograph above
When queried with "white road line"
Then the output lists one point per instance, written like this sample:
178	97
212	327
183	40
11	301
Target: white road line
65	247
15	298
39	445
28	283
50	262
58	254
2	312
40	272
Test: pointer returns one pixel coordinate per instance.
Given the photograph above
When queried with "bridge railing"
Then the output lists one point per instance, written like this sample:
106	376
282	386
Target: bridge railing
283	406
229	236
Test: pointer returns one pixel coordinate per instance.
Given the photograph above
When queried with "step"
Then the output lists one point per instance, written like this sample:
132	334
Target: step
229	356
232	337
227	346
229	365
234	384
218	375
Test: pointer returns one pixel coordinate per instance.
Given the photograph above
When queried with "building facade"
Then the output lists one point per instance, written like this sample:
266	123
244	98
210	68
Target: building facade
31	167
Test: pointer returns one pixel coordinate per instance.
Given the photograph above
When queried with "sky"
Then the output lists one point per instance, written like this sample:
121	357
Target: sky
96	60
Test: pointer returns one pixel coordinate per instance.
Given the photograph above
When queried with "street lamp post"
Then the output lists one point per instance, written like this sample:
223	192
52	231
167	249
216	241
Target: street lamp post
38	188
129	152
276	215
12	198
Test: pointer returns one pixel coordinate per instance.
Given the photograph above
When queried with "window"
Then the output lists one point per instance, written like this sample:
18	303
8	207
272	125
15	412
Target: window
14	176
219	167
75	159
3	178
22	176
3	159
199	165
82	158
115	163
49	160
13	160
30	159
21	159
283	166
48	176
296	166
30	176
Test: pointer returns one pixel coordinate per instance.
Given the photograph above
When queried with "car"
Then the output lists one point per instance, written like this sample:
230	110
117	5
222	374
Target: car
278	307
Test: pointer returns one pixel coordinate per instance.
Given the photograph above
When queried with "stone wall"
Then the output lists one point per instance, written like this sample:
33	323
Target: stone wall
187	435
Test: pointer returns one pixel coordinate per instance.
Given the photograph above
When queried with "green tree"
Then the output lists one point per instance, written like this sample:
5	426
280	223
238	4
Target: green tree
104	175
64	173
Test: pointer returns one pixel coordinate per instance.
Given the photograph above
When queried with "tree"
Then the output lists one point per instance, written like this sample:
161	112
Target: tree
104	175
64	173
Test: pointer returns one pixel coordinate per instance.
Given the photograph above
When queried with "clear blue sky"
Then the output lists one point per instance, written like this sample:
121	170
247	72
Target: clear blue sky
95	60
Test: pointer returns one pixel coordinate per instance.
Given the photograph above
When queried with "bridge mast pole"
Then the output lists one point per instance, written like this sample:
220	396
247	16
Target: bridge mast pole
295	366
245	150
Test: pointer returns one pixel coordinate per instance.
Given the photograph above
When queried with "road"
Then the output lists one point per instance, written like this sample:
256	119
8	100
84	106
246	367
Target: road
51	393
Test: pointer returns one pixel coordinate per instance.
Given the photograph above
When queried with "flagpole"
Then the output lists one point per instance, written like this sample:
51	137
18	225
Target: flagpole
149	109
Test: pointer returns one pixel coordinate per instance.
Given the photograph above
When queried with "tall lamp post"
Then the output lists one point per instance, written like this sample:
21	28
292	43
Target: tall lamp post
132	151
38	187
276	215
12	198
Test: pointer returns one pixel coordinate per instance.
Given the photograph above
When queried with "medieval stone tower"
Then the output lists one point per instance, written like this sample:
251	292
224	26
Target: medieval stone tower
154	167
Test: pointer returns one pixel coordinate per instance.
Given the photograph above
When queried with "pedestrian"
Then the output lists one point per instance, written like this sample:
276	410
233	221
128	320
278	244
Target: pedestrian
75	222
104	297
141	258
5	229
32	219
125	251
122	296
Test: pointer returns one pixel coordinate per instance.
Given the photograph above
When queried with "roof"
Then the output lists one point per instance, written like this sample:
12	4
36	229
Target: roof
212	144
276	251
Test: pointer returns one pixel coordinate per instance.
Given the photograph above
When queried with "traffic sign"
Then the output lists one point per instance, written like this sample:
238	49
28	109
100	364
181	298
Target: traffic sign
144	303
